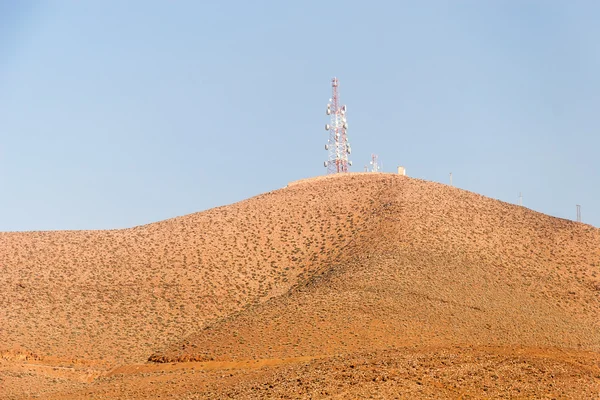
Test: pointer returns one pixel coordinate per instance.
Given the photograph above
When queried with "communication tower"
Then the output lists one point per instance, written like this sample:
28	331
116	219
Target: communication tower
578	213
337	146
374	163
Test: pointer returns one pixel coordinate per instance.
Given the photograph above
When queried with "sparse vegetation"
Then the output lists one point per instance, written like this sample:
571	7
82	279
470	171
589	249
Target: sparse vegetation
287	275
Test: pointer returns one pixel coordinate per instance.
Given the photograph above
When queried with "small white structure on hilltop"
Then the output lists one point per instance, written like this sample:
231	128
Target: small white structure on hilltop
401	171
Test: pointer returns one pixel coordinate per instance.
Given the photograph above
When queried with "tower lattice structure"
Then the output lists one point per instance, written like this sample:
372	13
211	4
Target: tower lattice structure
337	146
375	167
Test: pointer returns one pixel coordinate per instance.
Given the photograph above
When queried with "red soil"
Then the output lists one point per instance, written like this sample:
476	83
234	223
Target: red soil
356	285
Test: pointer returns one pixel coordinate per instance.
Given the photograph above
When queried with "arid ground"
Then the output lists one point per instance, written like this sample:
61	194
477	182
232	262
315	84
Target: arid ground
349	286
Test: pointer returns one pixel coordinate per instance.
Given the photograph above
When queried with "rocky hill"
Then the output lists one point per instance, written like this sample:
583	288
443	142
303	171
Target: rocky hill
431	265
354	267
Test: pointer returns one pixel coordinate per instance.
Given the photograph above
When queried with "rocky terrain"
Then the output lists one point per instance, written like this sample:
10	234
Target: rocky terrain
362	285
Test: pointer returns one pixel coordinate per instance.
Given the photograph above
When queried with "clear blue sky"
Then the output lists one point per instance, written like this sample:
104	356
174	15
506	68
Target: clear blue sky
120	113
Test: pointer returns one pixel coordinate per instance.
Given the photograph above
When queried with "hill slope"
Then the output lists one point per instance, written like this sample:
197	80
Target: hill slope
363	267
117	295
433	265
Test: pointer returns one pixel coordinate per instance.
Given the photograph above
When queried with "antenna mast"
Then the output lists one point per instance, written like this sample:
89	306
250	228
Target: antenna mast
578	213
337	146
374	164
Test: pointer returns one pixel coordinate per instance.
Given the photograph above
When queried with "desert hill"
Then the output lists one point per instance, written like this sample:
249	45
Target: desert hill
116	295
365	267
432	265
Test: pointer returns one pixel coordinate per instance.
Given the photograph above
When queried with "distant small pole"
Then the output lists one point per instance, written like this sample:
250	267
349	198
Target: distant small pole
520	198
366	168
578	213
450	178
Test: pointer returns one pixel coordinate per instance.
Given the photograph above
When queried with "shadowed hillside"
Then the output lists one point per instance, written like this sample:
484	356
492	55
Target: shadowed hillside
359	269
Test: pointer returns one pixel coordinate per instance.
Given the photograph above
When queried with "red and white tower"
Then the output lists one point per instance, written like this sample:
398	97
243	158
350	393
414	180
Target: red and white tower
375	163
337	146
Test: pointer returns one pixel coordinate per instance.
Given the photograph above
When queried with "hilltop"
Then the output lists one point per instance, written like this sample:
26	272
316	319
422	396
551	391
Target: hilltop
327	275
